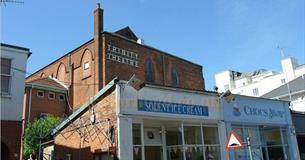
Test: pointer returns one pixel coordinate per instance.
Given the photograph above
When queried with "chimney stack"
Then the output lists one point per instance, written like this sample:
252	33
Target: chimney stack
98	21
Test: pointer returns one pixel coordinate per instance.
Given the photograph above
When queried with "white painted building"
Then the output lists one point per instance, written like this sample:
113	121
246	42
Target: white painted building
13	66
261	81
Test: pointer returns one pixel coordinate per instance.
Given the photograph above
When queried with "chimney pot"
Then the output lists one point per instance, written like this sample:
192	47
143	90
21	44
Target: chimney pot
98	6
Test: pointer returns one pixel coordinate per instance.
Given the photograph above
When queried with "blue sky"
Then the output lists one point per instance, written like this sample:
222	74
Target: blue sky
217	34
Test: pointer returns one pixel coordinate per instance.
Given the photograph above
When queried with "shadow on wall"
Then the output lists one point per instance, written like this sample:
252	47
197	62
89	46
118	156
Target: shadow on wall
66	153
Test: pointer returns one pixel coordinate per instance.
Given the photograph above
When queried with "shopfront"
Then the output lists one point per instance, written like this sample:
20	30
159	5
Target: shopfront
158	123
268	125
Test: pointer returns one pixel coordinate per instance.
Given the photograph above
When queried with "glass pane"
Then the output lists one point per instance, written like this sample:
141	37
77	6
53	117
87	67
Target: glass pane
239	133
240	154
212	152
5	81
257	153
136	133
272	136
192	135
173	136
210	135
137	153
153	153
276	152
193	153
253	135
152	135
174	153
5	66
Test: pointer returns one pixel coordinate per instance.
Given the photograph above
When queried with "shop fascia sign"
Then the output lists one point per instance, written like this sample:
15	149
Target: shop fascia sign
172	108
256	111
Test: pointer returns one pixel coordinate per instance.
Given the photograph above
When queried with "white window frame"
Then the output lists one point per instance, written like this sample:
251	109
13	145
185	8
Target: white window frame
86	65
50	94
60	96
40	91
8	93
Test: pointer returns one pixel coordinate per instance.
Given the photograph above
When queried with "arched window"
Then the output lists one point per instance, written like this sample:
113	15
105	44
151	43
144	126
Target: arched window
175	78
61	73
149	71
86	63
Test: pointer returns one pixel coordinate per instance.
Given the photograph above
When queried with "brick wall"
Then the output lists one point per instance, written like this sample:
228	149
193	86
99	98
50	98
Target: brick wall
39	105
11	137
189	74
82	142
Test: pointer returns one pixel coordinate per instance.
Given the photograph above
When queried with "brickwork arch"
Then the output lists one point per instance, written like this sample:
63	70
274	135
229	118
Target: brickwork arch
61	72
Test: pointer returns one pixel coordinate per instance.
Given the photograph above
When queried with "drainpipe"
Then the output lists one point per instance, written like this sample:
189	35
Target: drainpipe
30	104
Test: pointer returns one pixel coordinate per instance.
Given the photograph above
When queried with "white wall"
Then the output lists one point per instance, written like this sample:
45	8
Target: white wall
11	106
223	79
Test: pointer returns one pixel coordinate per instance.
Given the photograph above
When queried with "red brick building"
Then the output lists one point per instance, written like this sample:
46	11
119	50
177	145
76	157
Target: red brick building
44	96
88	71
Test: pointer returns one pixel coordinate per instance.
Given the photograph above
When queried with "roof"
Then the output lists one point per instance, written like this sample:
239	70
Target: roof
296	86
47	84
17	47
128	33
85	106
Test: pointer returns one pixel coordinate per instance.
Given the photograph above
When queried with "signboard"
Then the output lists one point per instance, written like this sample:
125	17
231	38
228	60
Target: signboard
255	110
172	108
122	56
234	141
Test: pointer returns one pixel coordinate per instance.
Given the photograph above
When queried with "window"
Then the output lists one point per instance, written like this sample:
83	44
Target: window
40	94
61	97
51	95
86	65
255	92
5	76
149	71
211	142
137	150
283	81
175	79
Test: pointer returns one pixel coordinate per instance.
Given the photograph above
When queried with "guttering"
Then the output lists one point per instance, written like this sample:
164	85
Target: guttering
44	87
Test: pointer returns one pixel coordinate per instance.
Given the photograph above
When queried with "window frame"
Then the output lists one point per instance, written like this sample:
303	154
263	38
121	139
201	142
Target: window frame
40	91
60	96
50	94
8	93
87	63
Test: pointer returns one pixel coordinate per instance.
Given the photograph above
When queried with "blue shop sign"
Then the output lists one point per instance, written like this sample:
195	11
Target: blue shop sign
172	108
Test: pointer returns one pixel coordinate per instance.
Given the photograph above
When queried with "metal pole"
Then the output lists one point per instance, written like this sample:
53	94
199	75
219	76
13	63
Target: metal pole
249	148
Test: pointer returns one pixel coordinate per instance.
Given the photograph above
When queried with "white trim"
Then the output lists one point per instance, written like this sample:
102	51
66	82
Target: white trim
49	93
40	91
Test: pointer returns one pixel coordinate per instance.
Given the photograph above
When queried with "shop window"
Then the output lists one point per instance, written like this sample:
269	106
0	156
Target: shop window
192	135
174	142
6	76
61	97
136	138
149	71
40	94
51	95
175	78
211	142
